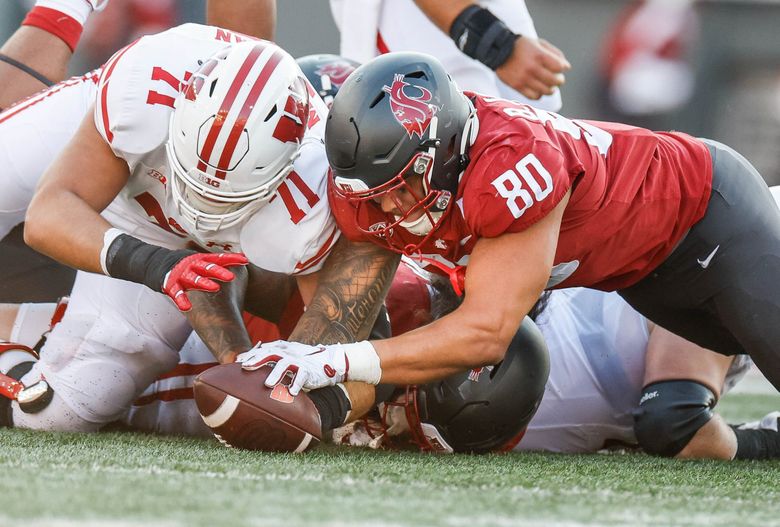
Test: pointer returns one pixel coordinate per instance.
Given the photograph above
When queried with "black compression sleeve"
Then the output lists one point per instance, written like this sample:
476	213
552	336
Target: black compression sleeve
129	258
482	36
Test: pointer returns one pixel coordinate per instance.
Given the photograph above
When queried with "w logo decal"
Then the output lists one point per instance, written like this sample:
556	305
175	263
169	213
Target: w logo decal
412	111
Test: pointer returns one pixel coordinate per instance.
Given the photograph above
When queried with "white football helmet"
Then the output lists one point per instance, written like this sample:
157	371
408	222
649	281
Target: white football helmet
236	129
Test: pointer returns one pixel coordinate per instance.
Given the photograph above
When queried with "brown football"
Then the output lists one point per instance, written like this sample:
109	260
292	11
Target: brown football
243	413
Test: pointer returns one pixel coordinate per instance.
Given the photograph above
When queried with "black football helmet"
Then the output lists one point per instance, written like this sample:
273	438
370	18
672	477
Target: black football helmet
326	73
397	116
484	410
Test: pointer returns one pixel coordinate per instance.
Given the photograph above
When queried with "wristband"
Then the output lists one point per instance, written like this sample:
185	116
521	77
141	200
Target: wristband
108	238
128	258
482	36
362	362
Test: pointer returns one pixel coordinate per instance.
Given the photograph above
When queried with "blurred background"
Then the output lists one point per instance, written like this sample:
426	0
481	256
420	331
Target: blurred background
710	67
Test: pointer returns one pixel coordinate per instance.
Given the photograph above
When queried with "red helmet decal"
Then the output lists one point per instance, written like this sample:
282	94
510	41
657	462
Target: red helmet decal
413	113
292	126
336	71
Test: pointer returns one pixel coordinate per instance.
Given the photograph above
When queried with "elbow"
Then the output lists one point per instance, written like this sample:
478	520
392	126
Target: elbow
492	352
34	231
490	345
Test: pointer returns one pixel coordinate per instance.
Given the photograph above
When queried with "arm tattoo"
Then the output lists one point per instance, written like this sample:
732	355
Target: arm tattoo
350	291
216	317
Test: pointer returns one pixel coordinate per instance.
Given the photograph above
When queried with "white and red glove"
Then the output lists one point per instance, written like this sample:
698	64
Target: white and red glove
312	367
195	273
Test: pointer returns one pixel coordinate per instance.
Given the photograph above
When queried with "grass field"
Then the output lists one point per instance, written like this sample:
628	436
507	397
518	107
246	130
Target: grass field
128	479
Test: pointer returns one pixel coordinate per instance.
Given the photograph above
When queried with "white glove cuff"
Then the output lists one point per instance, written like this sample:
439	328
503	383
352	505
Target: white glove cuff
363	362
108	238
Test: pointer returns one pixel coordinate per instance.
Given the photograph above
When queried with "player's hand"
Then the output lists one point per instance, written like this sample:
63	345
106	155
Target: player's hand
308	367
535	68
197	272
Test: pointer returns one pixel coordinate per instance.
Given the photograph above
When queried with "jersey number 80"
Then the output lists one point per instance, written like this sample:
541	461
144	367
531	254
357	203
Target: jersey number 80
529	182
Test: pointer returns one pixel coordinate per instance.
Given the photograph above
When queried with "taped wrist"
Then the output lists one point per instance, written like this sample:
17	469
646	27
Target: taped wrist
483	36
128	258
333	405
362	362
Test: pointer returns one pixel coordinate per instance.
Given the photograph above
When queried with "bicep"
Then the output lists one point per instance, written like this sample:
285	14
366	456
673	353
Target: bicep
86	168
506	274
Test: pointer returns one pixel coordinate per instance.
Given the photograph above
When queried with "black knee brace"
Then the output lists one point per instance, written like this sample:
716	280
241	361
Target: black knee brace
670	413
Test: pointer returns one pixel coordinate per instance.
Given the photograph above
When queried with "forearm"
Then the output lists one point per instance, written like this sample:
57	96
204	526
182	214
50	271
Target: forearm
442	14
217	318
73	236
350	292
38	50
452	344
268	293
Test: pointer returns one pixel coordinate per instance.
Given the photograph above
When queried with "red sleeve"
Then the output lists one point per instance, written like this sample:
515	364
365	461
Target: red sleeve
513	186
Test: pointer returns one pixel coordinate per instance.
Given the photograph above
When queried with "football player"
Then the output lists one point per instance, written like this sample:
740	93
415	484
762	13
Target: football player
237	165
490	47
684	228
616	380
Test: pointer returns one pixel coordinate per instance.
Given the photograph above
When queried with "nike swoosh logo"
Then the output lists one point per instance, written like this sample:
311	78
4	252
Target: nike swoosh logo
706	262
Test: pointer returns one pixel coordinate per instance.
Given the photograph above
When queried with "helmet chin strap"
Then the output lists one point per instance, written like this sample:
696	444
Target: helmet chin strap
433	143
469	135
422	225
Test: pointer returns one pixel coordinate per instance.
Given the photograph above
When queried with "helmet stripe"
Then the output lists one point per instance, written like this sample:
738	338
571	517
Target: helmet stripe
240	123
227	103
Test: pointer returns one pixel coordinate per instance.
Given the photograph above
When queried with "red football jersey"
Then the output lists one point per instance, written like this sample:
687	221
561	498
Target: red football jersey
634	194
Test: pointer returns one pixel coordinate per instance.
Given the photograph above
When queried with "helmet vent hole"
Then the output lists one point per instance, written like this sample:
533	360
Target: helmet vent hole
377	99
416	75
270	114
494	370
212	88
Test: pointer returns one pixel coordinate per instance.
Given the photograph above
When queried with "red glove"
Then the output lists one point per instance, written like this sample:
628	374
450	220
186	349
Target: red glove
195	272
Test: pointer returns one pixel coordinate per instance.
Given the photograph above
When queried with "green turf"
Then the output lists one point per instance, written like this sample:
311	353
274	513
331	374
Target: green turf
131	479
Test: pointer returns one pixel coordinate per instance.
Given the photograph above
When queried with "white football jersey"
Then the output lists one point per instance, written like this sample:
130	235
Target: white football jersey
291	234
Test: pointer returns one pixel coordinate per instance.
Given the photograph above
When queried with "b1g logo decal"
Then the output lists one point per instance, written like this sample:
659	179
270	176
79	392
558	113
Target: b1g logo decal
527	184
412	112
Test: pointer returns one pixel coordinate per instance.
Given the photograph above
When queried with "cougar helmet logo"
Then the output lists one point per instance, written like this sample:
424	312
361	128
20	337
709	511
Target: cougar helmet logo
412	112
336	71
379	227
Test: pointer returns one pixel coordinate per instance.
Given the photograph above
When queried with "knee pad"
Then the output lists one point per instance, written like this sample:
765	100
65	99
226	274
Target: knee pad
669	415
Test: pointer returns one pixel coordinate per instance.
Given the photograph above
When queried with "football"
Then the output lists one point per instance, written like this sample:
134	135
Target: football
244	413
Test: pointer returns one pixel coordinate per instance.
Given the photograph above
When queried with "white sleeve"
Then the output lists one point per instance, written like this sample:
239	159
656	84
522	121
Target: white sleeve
140	82
128	123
